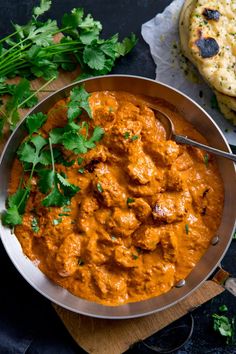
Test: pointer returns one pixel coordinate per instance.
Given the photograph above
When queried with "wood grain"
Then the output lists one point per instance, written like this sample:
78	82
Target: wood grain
115	336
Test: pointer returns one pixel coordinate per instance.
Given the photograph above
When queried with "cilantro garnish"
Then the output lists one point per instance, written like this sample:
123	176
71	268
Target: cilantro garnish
35	225
30	51
80	262
130	200
78	100
135	256
80	160
81	170
126	135
187	229
223	308
99	187
225	326
57	221
206	160
134	137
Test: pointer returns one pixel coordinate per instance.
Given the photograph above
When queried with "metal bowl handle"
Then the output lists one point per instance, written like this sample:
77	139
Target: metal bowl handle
223	278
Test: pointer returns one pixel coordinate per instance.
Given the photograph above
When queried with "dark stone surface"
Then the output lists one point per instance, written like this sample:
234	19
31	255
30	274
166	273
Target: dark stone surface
27	320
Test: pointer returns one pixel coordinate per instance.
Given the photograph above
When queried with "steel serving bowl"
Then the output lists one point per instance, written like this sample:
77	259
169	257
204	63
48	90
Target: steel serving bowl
204	124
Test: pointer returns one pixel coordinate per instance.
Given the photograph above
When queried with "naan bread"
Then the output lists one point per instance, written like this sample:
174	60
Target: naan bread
227	112
212	42
227	100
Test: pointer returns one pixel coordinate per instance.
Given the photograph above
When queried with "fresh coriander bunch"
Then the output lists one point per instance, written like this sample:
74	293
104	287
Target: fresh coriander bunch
31	52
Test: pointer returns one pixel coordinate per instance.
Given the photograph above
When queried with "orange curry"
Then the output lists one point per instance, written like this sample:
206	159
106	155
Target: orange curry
145	214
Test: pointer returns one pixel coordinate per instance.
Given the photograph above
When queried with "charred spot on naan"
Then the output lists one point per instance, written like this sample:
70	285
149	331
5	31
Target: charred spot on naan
208	47
211	14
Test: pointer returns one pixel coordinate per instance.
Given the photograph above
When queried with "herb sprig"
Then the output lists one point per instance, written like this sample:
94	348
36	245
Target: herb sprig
39	156
31	52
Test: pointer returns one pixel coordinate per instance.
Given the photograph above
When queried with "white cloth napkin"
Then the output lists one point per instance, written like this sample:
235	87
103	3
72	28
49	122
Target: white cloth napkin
161	33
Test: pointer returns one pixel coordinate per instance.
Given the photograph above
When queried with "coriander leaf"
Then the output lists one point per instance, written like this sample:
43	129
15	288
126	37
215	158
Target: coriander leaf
32	154
35	121
90	30
68	188
46	180
35	225
56	135
73	141
19	199
126	45
187	229
99	188
96	136
12	103
80	97
42	8
55	198
223	308
130	200
11	217
73	19
225	326
57	221
94	57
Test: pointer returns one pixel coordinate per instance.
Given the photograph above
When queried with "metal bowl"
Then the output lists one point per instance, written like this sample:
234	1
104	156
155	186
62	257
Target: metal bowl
205	125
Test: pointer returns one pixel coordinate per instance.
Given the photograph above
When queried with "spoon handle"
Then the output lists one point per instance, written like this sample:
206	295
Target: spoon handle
184	140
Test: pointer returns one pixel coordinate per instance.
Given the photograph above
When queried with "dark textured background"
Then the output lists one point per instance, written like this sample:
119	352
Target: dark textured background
27	320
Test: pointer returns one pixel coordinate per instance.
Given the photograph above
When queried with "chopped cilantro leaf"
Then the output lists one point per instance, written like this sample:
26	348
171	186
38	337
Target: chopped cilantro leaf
130	200
135	256
80	160
99	187
57	221
223	308
225	326
206	160
134	137
35	225
81	170
126	135
187	229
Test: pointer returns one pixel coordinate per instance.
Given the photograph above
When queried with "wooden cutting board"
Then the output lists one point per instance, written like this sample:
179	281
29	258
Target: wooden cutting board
115	336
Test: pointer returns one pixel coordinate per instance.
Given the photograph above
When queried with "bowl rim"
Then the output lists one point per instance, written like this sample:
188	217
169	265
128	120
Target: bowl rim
41	104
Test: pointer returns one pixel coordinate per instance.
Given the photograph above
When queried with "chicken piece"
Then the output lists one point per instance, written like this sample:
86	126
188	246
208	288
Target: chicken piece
107	187
199	193
88	206
141	168
120	139
128	111
169	243
152	129
163	152
174	180
123	222
109	283
171	206
146	190
141	209
183	162
67	257
103	106
147	237
92	252
126	258
94	156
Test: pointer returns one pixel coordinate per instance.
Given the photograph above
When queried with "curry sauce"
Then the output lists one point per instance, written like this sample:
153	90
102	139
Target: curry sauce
145	214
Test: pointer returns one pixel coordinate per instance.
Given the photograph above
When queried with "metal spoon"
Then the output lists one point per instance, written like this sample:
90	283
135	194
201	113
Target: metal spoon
170	134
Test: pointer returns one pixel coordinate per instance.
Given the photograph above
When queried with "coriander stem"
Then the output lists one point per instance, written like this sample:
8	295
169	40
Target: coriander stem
9	36
36	92
52	157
